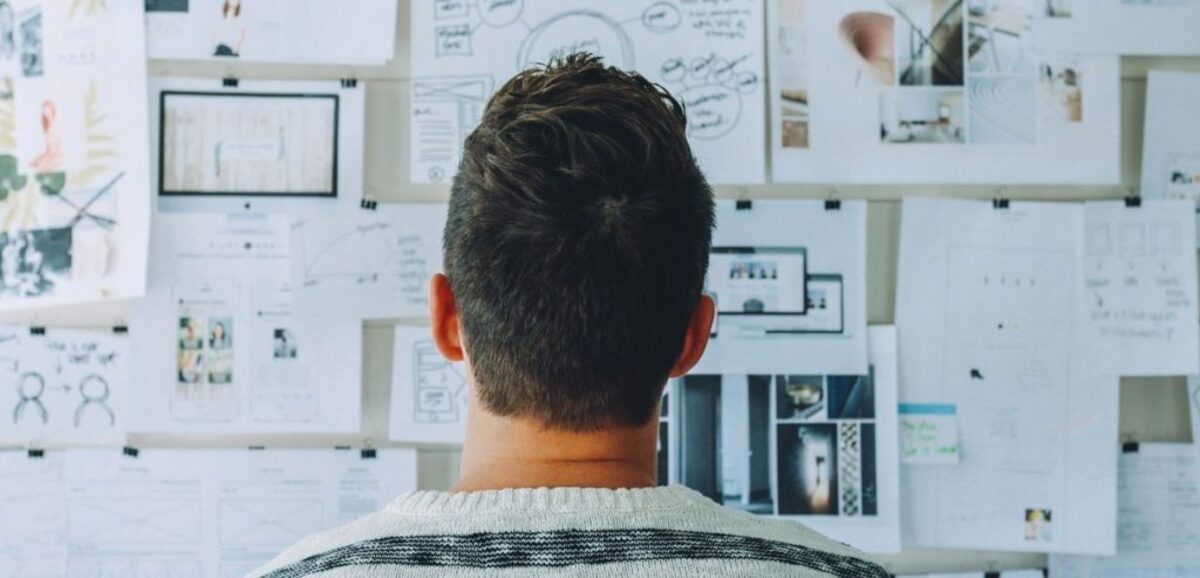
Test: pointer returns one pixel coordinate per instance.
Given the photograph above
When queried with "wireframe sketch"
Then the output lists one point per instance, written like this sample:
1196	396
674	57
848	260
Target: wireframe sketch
133	521
439	387
30	389
272	522
215	143
94	392
710	56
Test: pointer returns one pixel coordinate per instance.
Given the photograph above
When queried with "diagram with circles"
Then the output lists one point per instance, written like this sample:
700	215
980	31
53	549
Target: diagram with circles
60	386
710	57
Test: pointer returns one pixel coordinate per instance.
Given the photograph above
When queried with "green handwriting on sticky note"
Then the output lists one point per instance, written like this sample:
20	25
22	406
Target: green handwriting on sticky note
928	434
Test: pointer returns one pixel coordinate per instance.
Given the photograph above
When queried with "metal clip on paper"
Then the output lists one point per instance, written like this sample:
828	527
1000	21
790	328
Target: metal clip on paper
349	83
229	82
130	451
369	205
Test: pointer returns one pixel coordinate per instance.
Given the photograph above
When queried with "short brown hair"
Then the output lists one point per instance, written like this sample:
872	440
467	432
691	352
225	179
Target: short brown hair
577	244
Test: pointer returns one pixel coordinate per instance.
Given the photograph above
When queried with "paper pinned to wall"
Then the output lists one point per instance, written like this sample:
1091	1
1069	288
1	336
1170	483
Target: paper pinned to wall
195	513
292	31
929	434
709	56
1194	404
75	176
820	449
1159	499
1171	154
987	314
368	264
257	146
429	393
925	91
225	345
789	279
63	386
1140	279
1125	27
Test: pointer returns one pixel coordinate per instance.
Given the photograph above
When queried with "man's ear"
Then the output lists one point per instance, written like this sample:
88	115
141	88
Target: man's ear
443	312
696	340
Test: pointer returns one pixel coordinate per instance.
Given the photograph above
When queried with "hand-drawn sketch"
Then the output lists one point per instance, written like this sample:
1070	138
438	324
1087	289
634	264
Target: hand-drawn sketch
460	50
369	264
63	385
429	393
71	226
271	522
438	386
245	143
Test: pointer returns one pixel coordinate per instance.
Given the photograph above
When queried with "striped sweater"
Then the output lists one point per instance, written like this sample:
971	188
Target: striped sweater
670	531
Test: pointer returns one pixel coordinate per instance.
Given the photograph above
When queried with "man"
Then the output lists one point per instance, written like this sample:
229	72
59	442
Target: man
575	254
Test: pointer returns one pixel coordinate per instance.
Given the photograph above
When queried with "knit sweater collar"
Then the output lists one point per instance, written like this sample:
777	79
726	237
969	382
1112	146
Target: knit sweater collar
545	500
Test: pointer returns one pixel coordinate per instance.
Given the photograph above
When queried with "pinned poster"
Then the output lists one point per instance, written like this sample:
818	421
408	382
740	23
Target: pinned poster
1171	155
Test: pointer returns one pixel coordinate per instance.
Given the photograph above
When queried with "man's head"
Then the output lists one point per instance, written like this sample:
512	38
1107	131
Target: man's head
576	248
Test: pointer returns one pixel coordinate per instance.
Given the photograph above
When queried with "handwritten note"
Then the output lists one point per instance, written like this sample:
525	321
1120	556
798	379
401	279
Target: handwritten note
928	434
1140	287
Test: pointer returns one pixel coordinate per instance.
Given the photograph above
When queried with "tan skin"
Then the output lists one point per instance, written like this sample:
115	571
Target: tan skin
513	452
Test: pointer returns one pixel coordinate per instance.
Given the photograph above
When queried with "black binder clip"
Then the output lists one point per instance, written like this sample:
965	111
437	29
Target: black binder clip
229	82
35	454
369	205
120	329
130	451
991	574
1133	201
368	453
744	205
1130	447
349	83
833	205
999	203
37	331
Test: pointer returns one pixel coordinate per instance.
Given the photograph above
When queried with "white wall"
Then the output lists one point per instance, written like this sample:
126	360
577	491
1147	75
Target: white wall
1151	409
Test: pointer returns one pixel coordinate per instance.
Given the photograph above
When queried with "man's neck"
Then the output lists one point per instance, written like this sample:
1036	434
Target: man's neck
502	452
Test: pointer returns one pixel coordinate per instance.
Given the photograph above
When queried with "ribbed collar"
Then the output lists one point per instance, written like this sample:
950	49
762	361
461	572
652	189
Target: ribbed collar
545	500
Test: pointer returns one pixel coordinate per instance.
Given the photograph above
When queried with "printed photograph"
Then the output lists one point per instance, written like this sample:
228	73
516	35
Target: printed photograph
807	466
230	30
929	42
724	440
220	367
752	270
219	333
190	367
30	35
1000	37
34	262
1061	92
1057	8
1184	180
1003	109
799	397
793	73
1038	526
923	116
871	38
8	27
285	343
851	397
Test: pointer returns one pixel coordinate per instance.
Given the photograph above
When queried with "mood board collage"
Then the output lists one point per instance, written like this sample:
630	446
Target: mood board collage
227	218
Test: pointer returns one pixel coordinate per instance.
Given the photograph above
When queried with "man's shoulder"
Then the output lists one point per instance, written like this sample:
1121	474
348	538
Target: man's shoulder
543	542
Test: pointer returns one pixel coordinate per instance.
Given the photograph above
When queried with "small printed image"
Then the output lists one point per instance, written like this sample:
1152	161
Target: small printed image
871	37
1184	179
285	343
30	35
190	333
929	42
34	262
754	270
923	116
220	367
808	464
190	366
1061	92
799	396
1000	37
8	23
231	30
851	397
793	73
1057	8
220	335
1003	109
1038	526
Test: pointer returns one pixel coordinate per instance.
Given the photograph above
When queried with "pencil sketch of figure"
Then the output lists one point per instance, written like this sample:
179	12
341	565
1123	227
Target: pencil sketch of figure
231	31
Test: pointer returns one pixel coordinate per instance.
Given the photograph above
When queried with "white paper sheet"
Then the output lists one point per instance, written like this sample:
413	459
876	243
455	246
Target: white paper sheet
368	264
259	146
75	176
292	31
1171	153
1140	279
820	449
772	320
32	506
987	311
708	55
1194	405
66	386
225	346
1159	498
429	394
194	513
1143	27
848	107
